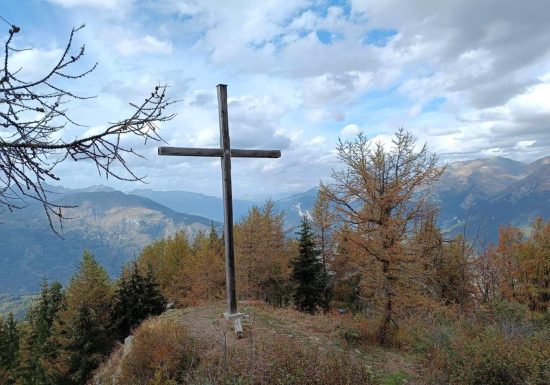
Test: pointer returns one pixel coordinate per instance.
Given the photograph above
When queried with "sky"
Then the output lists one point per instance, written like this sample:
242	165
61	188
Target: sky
471	78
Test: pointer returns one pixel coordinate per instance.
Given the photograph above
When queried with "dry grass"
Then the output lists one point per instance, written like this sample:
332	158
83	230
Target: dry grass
280	346
161	350
280	361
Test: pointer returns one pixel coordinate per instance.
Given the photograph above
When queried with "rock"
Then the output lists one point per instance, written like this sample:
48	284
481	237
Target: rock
128	342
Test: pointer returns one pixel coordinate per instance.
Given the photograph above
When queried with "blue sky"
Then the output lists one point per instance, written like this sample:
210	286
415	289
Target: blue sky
470	78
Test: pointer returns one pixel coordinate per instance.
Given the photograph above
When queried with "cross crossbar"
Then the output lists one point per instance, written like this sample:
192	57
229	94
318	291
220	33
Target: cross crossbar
218	152
225	153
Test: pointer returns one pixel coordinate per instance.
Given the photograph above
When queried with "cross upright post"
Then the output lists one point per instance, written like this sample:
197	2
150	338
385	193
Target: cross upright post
227	201
225	153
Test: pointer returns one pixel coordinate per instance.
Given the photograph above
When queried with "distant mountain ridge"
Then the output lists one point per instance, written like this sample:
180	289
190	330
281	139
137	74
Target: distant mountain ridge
116	225
195	203
493	191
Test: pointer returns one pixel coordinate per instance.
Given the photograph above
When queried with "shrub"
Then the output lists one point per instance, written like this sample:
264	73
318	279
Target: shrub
161	353
499	344
283	361
492	359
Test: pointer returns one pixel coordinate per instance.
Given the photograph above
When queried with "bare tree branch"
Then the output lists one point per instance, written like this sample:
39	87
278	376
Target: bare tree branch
33	115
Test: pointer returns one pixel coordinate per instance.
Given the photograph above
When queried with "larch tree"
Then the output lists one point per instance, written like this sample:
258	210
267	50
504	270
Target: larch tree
35	112
82	332
204	272
323	221
262	255
347	277
535	264
380	194
523	264
166	257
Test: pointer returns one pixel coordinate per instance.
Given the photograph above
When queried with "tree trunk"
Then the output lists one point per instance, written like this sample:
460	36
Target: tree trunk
388	308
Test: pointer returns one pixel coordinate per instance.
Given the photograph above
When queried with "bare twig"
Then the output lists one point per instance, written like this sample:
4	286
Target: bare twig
33	115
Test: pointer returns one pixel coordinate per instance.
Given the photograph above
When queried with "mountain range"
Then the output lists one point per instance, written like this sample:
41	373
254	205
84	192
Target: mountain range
113	225
483	194
477	194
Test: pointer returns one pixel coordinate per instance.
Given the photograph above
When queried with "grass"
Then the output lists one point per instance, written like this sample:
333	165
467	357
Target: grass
281	346
398	378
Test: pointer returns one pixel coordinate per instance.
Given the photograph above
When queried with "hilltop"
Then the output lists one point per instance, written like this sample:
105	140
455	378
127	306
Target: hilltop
280	334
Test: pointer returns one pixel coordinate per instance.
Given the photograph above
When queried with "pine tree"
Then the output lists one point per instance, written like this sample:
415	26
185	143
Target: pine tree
137	298
9	349
308	272
89	342
10	343
154	302
35	348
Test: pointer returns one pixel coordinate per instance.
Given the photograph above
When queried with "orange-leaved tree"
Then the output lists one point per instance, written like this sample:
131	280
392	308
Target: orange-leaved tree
380	194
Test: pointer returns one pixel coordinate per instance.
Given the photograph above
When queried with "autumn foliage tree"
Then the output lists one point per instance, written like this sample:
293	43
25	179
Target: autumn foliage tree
82	333
523	265
380	194
323	221
262	255
347	277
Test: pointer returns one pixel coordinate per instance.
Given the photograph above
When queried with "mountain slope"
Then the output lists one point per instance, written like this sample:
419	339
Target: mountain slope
492	192
195	203
521	202
113	225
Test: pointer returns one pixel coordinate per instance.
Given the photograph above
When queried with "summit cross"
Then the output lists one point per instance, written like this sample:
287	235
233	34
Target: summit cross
225	153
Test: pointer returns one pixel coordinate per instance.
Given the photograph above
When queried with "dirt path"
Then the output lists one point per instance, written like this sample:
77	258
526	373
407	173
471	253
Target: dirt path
207	324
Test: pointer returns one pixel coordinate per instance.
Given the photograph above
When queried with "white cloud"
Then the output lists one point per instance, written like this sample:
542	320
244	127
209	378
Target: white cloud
105	4
132	46
335	88
350	130
34	64
469	78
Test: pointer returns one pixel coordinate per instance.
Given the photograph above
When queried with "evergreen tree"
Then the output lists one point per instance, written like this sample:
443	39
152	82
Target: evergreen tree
138	297
9	349
308	272
82	333
35	348
89	342
9	343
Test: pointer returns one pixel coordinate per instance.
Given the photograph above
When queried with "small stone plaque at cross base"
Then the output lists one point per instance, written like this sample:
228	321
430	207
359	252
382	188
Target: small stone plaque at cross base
225	153
235	320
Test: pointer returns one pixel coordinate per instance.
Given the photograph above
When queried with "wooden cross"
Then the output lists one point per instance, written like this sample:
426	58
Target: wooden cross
225	153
